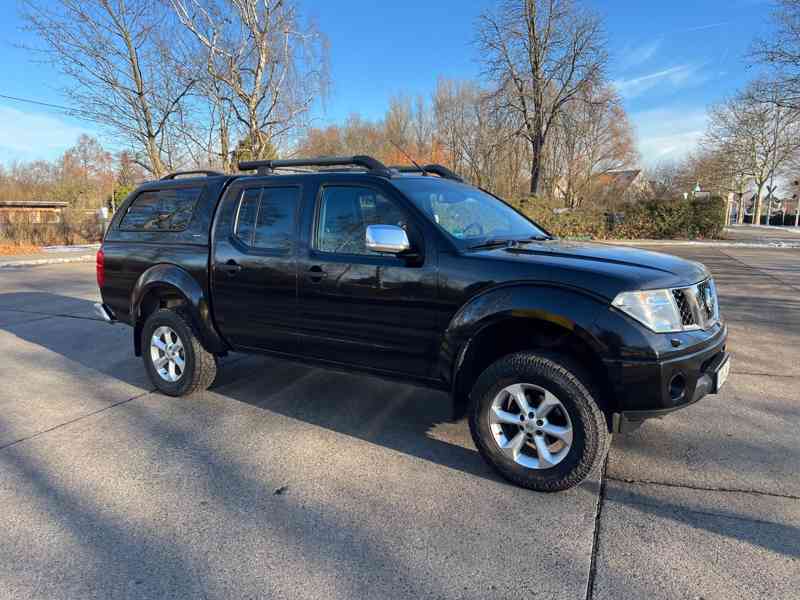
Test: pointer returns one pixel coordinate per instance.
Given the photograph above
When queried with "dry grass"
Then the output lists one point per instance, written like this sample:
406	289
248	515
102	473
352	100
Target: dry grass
11	249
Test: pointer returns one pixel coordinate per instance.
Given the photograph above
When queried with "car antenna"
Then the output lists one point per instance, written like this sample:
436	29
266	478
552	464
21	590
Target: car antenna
413	162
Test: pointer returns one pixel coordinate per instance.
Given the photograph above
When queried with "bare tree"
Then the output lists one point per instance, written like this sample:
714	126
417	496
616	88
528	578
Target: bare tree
758	136
271	70
115	58
593	136
478	141
422	129
780	52
541	54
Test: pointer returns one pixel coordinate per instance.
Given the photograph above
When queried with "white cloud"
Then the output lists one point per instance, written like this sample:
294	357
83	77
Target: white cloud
665	134
675	77
30	136
633	56
703	27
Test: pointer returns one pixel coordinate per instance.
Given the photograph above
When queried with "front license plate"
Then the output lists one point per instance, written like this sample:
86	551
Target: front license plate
722	373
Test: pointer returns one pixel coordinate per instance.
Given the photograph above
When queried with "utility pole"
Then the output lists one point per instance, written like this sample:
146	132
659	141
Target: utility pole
770	190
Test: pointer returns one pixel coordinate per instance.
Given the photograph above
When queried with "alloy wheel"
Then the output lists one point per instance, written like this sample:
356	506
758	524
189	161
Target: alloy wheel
530	426
168	354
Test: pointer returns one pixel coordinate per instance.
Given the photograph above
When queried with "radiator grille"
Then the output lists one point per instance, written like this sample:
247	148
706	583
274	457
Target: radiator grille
687	317
697	304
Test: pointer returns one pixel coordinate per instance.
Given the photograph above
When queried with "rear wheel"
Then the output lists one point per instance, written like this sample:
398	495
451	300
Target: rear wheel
175	360
537	423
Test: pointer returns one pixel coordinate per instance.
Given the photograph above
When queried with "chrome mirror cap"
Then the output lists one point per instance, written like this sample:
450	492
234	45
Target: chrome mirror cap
388	239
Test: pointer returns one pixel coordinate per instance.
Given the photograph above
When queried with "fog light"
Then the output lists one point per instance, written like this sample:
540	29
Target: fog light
677	387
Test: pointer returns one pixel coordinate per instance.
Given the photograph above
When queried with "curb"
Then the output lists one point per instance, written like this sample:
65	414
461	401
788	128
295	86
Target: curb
45	261
716	244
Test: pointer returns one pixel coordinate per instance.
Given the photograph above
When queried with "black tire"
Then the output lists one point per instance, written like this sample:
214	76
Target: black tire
590	437
200	365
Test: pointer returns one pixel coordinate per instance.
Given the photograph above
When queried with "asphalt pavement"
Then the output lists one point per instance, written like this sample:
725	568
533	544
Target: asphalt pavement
285	481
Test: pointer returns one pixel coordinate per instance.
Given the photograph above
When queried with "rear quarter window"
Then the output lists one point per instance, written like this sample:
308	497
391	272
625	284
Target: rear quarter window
161	210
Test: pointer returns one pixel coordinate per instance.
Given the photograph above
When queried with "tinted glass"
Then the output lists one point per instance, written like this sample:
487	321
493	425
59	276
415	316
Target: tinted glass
164	210
468	215
266	217
344	215
275	227
246	215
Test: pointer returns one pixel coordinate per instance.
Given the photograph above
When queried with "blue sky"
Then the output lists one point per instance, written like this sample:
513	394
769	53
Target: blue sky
669	60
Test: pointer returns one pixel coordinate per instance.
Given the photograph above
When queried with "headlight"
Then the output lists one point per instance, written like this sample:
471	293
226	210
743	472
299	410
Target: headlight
655	309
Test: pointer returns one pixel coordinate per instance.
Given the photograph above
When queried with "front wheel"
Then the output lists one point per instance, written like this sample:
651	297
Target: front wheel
175	360
536	423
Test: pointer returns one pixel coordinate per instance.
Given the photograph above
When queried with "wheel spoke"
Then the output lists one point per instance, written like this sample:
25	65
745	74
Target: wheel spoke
549	402
545	457
180	362
499	415
178	344
173	375
562	433
158	343
518	393
160	362
513	446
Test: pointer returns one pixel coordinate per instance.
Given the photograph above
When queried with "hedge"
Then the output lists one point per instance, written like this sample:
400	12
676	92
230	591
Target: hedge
76	227
692	218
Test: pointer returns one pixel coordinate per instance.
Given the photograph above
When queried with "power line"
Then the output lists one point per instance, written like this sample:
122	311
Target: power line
40	103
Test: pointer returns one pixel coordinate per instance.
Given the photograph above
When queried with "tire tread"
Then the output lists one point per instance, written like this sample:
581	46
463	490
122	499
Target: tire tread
205	363
551	366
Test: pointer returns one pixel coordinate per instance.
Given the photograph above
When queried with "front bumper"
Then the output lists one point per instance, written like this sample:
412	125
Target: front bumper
653	389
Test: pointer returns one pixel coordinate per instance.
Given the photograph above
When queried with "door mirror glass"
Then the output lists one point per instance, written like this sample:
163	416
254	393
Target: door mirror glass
387	239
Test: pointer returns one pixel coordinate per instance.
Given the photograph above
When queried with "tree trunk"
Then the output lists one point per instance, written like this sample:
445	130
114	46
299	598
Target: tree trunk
154	155
757	207
224	147
740	214
536	164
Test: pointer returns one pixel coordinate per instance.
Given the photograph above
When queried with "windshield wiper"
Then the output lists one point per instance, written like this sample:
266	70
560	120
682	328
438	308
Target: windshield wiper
534	238
508	242
492	243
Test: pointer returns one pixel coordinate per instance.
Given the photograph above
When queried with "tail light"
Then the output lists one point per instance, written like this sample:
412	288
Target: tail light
101	268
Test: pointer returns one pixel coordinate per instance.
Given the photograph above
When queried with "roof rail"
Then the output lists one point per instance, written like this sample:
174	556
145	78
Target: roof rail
439	170
205	172
265	167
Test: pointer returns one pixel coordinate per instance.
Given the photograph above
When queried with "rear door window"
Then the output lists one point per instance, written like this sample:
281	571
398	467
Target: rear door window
246	215
161	210
267	217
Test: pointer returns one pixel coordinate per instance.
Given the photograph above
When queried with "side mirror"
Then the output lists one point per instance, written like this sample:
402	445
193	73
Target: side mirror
388	239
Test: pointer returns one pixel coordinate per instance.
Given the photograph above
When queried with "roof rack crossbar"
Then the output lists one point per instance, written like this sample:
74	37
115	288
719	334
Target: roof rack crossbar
205	172
439	170
265	167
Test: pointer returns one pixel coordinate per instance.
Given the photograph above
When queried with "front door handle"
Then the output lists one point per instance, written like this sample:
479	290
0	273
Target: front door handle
231	267
316	274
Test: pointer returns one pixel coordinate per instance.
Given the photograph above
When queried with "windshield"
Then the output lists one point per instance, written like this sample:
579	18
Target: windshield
469	216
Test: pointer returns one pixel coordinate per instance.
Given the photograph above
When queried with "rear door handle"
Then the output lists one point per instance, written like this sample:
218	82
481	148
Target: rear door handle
316	274
231	267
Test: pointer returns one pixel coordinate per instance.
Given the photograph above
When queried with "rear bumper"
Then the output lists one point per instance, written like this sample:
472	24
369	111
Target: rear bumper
105	313
653	389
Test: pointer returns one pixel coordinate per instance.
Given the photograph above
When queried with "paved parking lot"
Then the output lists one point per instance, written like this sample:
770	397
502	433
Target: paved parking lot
290	482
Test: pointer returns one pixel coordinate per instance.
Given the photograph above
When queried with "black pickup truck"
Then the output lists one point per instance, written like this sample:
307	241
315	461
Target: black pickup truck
410	273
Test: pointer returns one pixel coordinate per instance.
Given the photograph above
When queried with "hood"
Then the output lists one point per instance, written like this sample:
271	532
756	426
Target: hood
601	268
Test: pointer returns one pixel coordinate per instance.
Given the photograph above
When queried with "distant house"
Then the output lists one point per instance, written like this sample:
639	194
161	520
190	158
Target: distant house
31	211
783	211
618	186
